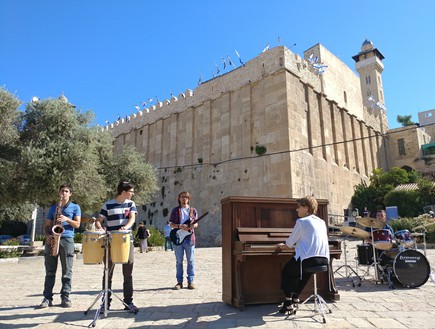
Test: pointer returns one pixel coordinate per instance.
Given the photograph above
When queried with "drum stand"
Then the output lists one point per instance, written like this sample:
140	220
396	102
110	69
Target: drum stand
432	272
348	267
375	263
104	293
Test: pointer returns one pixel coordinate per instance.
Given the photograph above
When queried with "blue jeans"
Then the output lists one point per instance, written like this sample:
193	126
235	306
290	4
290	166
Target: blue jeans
185	247
168	244
66	255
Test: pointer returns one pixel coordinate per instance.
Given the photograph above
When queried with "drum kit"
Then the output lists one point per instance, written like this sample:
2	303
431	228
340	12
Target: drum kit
394	258
96	247
355	232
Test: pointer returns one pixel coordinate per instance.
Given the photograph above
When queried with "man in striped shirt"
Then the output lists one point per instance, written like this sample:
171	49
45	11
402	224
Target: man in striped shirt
119	215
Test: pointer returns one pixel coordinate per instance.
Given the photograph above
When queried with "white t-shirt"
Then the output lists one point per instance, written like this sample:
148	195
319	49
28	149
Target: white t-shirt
309	238
185	215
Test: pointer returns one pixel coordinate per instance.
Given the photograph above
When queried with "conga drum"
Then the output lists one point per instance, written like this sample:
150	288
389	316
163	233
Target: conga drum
120	246
93	247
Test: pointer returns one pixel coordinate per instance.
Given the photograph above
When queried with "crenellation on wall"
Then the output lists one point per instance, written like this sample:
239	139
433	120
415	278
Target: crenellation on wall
208	143
253	71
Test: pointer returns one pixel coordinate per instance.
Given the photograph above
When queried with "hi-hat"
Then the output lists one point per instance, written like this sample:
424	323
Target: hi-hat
354	231
370	222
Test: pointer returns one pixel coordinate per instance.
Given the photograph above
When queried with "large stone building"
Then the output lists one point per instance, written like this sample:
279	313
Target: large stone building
273	127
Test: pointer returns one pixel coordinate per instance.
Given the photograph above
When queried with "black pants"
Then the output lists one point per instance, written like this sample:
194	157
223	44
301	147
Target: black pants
127	272
292	282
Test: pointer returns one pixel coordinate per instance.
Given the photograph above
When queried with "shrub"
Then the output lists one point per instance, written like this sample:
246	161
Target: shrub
157	238
78	237
10	252
39	237
409	223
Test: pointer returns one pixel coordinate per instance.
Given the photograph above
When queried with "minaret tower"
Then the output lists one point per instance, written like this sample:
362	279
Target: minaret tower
368	63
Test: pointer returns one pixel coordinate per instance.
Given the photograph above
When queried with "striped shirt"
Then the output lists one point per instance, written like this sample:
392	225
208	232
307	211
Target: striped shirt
117	214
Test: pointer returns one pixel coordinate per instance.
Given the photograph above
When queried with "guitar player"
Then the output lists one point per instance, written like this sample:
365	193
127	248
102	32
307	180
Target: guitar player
183	217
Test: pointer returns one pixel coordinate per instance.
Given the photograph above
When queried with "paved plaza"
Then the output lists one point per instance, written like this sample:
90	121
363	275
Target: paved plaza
370	305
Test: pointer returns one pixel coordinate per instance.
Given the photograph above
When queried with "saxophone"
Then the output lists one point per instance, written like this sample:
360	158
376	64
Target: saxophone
56	230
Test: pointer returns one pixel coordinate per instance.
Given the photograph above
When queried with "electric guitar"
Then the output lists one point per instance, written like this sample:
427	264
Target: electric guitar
178	236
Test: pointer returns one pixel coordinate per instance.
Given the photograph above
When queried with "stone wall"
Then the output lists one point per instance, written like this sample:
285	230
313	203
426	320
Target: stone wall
207	142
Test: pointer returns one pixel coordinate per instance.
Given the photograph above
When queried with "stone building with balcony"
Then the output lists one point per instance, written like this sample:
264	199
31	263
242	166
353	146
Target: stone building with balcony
413	147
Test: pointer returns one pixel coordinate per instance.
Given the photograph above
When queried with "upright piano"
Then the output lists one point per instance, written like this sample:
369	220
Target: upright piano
251	264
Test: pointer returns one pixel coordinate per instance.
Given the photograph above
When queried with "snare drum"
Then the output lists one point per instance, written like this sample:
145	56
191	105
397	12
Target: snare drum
120	246
404	237
382	239
93	247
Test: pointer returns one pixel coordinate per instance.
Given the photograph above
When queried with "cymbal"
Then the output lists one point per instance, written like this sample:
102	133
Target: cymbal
370	222
354	231
416	234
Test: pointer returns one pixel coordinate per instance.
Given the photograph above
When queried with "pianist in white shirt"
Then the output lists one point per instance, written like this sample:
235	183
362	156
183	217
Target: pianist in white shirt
309	238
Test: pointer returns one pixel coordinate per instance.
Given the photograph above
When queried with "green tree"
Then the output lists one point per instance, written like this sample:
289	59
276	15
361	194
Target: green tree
9	137
426	190
9	115
130	165
405	120
373	195
407	202
365	196
55	144
10	121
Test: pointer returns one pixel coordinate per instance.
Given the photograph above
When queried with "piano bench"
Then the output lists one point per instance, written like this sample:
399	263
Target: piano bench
320	306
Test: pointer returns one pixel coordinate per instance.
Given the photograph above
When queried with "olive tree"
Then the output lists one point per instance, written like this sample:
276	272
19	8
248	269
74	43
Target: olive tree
56	144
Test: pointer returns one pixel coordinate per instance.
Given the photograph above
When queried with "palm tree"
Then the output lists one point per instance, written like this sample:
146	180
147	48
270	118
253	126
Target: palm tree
405	120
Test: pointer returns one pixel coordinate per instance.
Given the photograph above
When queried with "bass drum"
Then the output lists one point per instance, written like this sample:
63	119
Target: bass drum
411	268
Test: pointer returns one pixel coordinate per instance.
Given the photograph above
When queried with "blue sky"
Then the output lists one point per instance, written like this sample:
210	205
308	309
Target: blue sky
107	56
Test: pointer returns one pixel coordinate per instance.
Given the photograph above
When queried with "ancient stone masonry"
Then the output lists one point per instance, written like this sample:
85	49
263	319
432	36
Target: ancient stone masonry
271	128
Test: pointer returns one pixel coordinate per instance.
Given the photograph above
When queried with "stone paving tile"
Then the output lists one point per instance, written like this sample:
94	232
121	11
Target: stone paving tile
369	305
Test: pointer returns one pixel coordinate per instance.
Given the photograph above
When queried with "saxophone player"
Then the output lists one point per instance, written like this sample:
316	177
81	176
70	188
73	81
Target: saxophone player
62	219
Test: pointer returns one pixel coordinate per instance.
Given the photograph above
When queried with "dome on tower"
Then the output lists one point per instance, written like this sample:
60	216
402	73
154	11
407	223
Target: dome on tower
366	48
367	45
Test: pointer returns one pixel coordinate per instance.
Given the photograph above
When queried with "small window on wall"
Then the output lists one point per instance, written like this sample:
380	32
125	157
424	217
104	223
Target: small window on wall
401	145
345	97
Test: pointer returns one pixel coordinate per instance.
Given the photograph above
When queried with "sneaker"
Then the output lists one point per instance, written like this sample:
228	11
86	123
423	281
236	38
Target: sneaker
66	302
131	307
178	286
46	303
190	285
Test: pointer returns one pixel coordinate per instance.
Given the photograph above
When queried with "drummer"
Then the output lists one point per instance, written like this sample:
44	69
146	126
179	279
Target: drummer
120	214
381	216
